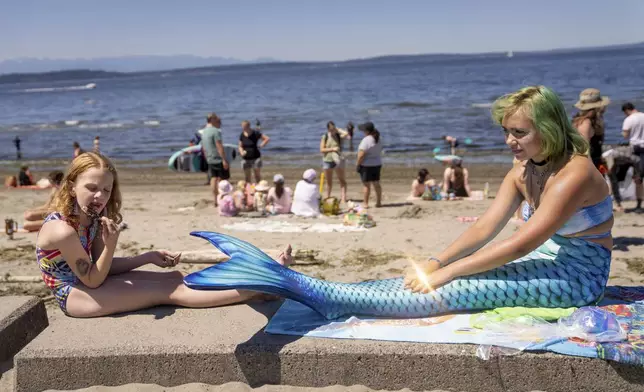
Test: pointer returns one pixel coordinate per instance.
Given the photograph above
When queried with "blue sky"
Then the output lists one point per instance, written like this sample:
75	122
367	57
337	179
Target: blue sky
309	30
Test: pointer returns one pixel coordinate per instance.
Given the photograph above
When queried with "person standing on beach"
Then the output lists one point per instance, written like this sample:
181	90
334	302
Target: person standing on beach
453	143
332	159
97	147
589	121
77	149
369	162
249	150
213	147
16	142
633	130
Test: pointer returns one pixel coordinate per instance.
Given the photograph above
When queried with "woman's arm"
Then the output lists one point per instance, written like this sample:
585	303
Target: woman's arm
586	130
360	157
466	182
240	147
325	150
558	204
265	140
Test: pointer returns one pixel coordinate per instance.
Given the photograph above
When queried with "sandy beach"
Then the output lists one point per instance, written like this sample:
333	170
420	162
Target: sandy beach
162	207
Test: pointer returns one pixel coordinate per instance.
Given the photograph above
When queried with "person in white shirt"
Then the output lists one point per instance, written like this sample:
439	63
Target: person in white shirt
633	130
306	198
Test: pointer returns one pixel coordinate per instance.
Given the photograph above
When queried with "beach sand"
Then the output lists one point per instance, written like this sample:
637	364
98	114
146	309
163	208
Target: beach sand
162	207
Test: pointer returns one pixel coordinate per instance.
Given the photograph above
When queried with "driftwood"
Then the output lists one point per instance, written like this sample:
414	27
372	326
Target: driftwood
300	256
20	279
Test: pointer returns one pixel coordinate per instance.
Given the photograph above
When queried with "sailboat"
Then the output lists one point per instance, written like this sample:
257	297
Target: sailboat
510	54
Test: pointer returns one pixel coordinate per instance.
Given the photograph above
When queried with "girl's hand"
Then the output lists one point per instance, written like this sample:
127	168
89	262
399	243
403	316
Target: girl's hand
109	232
163	258
427	276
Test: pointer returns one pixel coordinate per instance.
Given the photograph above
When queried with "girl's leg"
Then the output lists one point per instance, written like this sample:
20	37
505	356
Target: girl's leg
328	174
366	190
378	188
343	184
137	290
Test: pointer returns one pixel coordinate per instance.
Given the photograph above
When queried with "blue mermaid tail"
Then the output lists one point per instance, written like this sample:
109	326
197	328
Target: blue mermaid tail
563	272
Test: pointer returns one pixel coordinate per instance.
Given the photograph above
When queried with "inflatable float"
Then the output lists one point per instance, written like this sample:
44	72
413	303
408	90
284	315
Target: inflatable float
191	158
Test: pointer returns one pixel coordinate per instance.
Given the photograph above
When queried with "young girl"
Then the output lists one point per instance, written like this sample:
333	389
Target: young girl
421	183
225	199
76	245
279	197
261	196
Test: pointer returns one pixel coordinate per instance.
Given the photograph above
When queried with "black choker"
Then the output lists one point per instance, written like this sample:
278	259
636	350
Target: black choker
542	163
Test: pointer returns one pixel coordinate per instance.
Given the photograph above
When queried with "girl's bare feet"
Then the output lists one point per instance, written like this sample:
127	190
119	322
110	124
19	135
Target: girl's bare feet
285	258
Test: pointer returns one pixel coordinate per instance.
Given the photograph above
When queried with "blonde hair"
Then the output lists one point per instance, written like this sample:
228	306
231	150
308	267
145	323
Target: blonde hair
64	202
559	139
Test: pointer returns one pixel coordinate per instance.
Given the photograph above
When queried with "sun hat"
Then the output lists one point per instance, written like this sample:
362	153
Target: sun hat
309	175
591	98
262	186
278	178
225	187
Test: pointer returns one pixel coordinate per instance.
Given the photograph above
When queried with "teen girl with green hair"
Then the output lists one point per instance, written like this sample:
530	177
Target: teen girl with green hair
561	256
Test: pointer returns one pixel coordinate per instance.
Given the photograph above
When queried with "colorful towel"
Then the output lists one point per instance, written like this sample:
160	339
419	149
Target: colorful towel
627	303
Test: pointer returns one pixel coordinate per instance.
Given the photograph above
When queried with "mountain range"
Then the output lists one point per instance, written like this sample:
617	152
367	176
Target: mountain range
120	64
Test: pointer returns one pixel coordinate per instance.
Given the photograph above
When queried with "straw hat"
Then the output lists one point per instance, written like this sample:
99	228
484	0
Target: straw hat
591	98
225	187
262	186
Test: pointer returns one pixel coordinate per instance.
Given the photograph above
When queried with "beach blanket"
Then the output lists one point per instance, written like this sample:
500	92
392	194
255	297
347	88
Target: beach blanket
626	303
276	226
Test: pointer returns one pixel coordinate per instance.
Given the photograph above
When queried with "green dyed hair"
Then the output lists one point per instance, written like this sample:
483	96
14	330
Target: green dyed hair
559	139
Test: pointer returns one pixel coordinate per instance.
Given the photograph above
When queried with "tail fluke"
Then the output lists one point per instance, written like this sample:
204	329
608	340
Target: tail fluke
248	269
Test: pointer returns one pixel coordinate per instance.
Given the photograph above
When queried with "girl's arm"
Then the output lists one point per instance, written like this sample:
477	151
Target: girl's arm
61	236
558	204
119	264
265	140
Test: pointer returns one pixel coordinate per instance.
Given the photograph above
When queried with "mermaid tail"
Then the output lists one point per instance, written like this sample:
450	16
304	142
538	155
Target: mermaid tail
563	272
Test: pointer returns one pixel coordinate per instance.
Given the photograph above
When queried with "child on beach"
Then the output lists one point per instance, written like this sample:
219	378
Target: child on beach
306	198
261	196
243	196
76	244
421	184
279	197
225	199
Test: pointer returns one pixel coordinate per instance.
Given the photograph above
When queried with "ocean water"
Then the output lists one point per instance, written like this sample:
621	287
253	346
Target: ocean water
412	101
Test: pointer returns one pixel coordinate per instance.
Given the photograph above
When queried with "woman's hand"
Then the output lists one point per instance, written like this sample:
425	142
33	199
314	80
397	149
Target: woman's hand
109	232
163	258
427	276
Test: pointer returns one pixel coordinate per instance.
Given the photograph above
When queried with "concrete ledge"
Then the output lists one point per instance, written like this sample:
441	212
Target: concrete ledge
22	318
169	347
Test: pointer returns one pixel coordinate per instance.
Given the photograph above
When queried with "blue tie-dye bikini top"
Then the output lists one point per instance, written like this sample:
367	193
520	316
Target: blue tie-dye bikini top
584	219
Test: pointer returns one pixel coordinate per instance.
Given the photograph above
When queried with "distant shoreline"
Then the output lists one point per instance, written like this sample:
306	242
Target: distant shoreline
81	73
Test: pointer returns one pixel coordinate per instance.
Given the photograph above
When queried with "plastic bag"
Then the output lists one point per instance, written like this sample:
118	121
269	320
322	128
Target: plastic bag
592	324
514	335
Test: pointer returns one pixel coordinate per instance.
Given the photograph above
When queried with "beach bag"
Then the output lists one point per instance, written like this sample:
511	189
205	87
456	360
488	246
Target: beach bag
330	206
432	193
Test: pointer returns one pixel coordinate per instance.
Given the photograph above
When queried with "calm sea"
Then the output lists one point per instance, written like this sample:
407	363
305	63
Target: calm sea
413	101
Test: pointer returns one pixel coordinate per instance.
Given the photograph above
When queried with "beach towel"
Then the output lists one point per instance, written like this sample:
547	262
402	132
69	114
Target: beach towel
276	226
626	303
